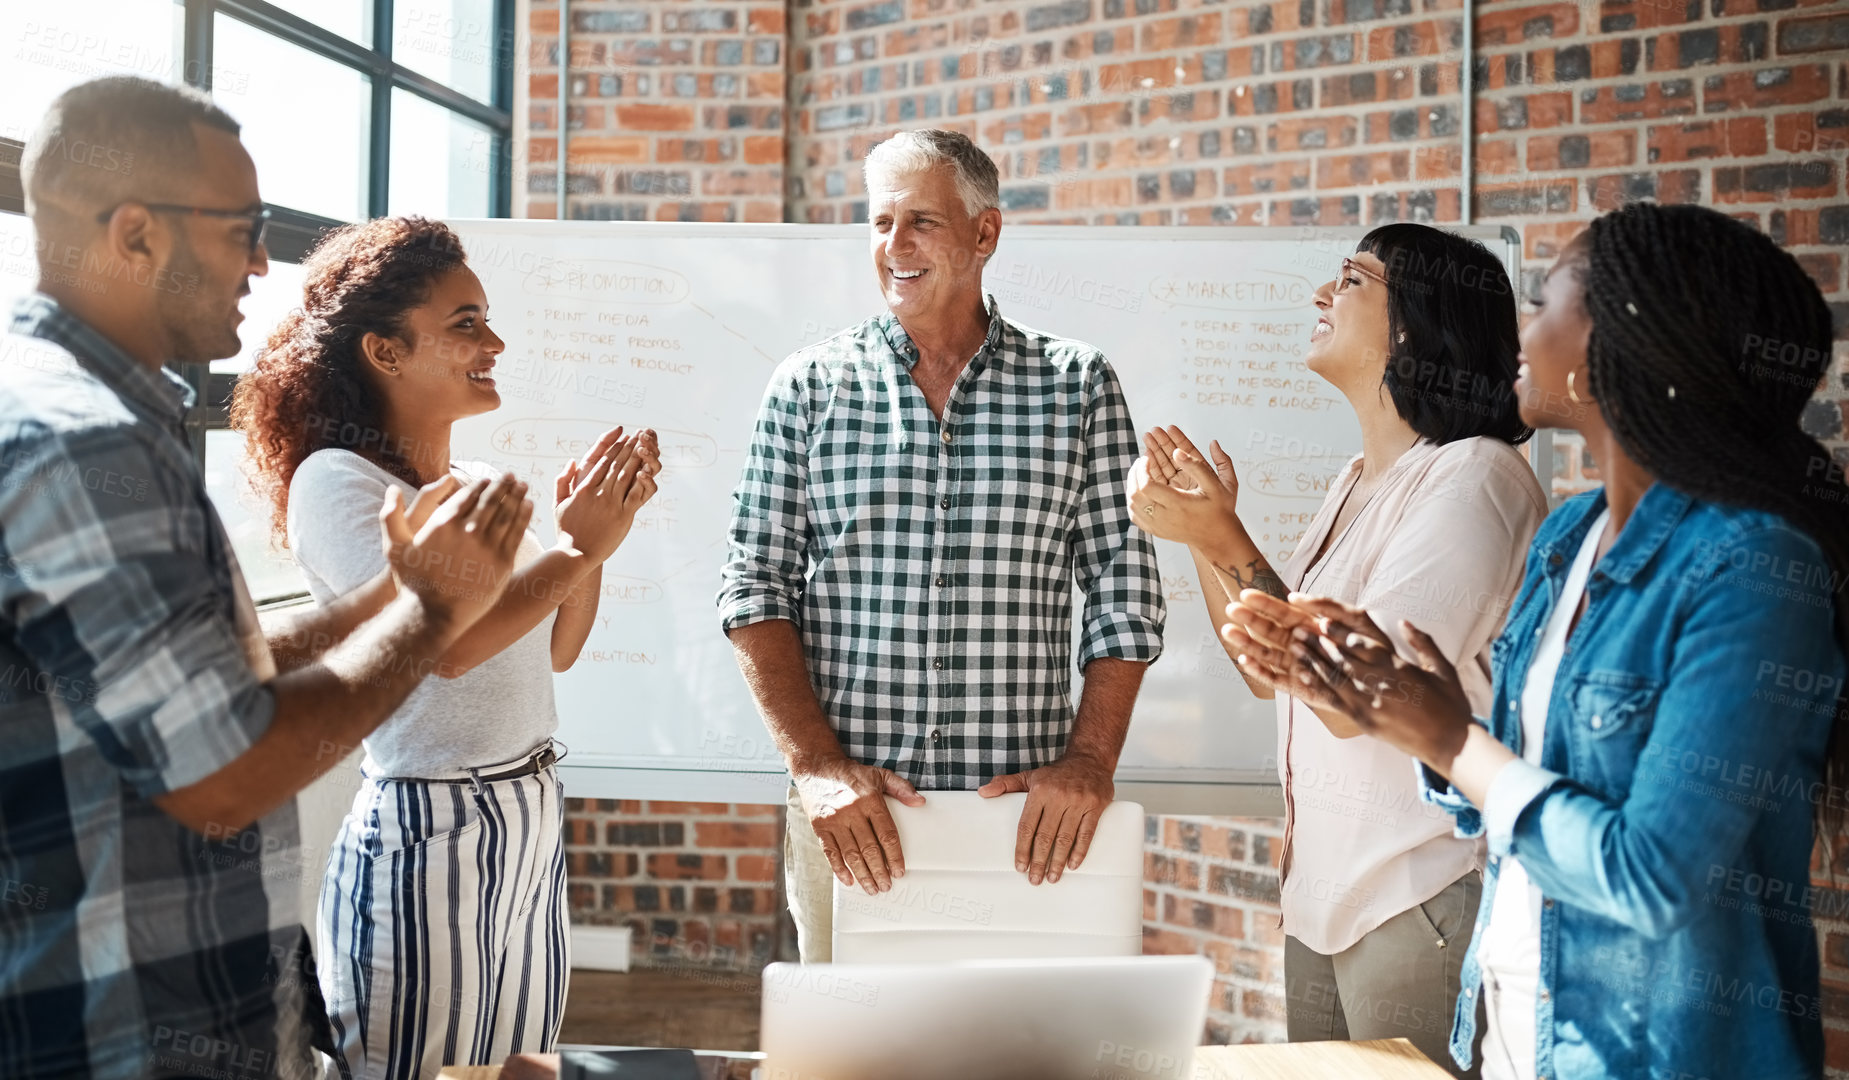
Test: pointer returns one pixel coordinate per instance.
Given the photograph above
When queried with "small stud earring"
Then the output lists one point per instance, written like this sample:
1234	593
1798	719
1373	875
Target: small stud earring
394	369
1402	337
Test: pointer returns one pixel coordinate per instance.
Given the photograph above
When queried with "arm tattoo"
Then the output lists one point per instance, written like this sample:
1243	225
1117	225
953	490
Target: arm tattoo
1258	575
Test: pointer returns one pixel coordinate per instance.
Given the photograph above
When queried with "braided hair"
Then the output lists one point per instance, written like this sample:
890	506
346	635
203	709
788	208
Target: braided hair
1707	341
307	389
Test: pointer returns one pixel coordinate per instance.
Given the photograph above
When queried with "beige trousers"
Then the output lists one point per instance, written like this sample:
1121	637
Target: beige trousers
809	885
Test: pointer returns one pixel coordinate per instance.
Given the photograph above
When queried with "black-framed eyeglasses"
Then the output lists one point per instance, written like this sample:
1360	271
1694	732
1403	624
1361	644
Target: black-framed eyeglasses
259	220
1351	266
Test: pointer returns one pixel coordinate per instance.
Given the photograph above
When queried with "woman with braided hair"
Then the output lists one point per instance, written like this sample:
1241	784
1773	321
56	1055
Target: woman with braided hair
1665	727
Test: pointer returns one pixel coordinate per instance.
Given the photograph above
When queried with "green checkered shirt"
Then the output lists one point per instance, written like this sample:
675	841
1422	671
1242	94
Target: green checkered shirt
931	566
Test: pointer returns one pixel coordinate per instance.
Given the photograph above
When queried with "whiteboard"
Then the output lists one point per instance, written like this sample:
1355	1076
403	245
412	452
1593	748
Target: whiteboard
678	327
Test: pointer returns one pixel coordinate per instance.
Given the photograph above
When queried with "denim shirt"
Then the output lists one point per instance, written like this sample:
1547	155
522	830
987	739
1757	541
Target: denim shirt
1668	825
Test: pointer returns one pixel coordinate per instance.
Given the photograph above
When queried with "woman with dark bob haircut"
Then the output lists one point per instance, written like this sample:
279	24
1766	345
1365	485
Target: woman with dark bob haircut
1666	736
1418	332
442	936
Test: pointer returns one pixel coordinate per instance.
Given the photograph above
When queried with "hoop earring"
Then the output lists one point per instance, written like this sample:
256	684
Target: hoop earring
1574	394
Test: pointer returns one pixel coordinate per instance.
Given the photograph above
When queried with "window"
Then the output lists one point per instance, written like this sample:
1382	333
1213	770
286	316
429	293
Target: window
452	41
310	148
52	45
441	162
350	109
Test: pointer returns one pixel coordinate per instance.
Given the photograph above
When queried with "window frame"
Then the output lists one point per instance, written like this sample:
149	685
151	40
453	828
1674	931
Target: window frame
292	233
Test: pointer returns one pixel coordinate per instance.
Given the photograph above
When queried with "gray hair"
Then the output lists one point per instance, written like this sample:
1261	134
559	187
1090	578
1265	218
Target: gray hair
978	184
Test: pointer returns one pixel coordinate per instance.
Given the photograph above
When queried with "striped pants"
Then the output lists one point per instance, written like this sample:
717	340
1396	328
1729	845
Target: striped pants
443	936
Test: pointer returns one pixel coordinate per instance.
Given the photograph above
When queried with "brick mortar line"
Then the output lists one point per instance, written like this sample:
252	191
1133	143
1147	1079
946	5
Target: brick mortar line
1586	30
1360	149
1211	860
1164	888
882	97
1427	141
580	100
1140	19
1265	198
1581	37
1075	30
1179	52
1213	163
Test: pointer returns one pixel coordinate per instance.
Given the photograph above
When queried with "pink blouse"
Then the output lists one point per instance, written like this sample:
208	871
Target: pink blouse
1440	543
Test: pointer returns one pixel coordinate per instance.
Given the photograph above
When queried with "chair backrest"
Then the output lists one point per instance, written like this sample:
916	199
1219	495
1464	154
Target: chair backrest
962	899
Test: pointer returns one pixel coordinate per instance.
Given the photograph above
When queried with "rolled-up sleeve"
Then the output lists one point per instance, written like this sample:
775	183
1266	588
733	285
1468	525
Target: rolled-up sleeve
768	535
117	604
1515	788
1435	790
1114	561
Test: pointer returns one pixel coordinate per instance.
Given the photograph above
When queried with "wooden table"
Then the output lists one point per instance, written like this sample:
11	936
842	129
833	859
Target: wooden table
1383	1059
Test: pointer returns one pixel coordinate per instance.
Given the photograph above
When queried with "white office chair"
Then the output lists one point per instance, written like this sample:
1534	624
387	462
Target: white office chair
962	899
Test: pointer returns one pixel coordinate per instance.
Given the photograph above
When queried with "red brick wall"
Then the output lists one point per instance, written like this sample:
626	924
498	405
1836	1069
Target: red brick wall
1211	887
677	111
699	884
1278	112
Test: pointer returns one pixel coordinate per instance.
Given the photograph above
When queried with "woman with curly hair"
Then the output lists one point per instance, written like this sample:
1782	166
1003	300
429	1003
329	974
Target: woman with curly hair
442	932
1667	727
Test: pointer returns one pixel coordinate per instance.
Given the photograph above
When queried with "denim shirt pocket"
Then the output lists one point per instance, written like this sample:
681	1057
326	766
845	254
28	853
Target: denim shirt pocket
1609	718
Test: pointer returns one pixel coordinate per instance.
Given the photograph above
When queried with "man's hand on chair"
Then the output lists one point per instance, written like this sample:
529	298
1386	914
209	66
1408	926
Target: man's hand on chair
1064	801
846	803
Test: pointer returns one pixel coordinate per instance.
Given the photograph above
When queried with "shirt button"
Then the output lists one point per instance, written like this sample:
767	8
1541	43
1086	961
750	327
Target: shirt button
1511	703
1547	901
1598	722
944	502
946	436
940	581
1468	992
1543	995
937	662
936	736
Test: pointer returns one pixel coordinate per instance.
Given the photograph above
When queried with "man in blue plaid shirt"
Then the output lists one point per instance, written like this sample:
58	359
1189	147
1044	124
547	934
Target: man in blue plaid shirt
921	496
149	748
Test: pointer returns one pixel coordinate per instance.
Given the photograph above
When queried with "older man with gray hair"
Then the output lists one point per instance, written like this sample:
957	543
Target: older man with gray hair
921	495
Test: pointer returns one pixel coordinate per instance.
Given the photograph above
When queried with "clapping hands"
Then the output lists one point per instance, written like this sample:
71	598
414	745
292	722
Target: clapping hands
1332	654
453	546
1259	635
1175	494
596	498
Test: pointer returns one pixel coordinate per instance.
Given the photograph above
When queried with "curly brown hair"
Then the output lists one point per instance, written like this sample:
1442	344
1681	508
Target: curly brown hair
308	389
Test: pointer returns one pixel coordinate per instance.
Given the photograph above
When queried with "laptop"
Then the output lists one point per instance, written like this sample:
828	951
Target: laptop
1107	1018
